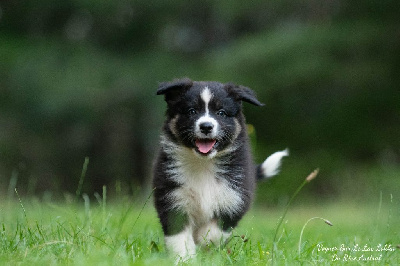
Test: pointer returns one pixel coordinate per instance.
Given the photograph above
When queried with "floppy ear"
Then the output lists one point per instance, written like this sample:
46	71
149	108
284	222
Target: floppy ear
241	93
175	85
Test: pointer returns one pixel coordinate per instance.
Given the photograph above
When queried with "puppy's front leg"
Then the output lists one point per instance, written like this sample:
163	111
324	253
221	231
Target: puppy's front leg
181	244
178	233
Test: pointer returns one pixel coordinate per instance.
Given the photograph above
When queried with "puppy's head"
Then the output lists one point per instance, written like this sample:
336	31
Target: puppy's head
205	116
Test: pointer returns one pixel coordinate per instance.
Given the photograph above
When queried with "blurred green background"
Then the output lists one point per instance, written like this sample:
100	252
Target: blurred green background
78	79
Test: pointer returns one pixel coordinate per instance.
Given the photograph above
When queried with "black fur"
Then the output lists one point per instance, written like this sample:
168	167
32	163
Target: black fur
230	155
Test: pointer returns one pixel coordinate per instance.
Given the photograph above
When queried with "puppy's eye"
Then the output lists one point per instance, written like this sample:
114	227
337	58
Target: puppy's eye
191	111
221	113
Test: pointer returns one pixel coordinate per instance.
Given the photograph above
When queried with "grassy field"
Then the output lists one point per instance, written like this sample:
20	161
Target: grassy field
126	231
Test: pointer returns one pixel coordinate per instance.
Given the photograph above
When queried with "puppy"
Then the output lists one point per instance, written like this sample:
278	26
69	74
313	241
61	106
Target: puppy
204	176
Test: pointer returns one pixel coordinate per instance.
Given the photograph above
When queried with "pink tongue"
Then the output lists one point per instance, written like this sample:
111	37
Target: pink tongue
205	145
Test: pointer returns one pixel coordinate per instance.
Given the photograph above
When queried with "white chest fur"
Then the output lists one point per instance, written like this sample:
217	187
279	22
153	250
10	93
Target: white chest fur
203	193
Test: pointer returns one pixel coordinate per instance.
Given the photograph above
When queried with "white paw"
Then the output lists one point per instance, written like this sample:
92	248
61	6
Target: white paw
181	245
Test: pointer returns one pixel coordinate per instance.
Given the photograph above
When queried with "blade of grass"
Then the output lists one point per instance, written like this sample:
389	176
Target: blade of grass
307	180
304	226
22	205
82	178
123	219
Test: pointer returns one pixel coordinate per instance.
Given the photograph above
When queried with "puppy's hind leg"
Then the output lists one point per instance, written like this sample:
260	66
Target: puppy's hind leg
211	233
271	165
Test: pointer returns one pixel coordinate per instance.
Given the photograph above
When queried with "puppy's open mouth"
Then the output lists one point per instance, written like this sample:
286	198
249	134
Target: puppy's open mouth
204	146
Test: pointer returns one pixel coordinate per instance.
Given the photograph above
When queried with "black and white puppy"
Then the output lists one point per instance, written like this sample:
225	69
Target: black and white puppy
204	176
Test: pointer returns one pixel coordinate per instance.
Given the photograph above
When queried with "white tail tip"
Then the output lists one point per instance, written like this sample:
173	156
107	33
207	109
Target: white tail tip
271	165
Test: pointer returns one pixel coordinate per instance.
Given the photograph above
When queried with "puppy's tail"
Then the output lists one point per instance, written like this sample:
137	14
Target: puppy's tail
271	165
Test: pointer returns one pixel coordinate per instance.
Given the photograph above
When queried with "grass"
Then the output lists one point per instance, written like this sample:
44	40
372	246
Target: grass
127	232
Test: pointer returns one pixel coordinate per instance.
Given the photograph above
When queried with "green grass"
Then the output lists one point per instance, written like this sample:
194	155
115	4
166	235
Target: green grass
126	231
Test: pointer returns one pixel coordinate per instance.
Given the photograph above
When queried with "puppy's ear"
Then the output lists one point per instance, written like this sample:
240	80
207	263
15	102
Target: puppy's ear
174	88
241	93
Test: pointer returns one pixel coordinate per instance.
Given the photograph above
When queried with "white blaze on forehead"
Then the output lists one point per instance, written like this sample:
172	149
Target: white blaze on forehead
206	96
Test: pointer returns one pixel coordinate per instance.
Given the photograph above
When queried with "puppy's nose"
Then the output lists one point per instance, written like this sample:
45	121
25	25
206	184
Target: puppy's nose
206	127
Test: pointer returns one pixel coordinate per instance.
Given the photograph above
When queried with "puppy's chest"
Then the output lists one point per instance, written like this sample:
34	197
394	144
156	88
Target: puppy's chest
203	193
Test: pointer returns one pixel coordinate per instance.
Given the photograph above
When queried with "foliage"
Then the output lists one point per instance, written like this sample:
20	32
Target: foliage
77	79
